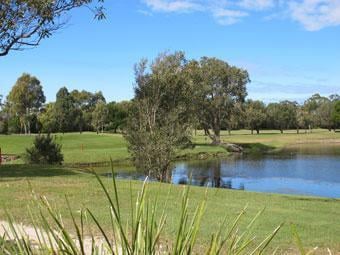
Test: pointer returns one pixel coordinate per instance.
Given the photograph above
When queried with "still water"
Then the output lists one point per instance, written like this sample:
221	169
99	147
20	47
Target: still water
291	173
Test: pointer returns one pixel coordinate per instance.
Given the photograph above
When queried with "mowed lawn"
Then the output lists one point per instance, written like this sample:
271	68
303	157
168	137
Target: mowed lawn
274	139
90	147
317	219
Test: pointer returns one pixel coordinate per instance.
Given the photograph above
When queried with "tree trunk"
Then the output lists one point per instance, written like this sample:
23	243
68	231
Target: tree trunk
229	131
252	131
281	130
258	131
297	130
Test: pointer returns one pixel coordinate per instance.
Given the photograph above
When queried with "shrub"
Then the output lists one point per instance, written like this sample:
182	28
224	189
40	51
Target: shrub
45	150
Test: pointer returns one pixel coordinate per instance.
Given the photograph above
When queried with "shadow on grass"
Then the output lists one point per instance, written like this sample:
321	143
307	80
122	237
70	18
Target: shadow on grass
19	171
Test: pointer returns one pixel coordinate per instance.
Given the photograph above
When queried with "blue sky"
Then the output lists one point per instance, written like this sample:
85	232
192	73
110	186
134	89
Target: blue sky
290	48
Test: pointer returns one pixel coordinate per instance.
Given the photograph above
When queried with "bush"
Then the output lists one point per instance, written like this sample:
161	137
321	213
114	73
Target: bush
45	150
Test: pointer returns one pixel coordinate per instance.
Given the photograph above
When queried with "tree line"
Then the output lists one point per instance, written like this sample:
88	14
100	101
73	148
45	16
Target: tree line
25	110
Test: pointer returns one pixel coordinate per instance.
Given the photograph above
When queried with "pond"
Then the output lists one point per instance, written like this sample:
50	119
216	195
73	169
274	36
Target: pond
286	173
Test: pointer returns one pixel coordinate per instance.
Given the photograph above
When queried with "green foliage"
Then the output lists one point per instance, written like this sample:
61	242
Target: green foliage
255	115
64	110
282	115
24	23
219	87
118	114
25	99
336	113
45	150
159	122
100	116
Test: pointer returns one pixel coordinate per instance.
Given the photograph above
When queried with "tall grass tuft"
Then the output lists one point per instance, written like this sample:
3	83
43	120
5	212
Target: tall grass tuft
143	234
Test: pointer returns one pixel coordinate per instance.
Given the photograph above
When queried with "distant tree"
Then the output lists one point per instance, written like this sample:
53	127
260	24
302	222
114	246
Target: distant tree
159	122
219	87
255	115
85	103
100	117
336	114
282	115
303	120
47	118
45	150
25	99
118	114
24	23
64	110
311	105
324	113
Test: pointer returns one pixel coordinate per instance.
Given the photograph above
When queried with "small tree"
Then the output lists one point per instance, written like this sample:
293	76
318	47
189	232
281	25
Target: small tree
45	150
159	122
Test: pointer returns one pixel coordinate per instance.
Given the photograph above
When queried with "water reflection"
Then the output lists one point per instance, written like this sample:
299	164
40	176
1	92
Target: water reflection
290	173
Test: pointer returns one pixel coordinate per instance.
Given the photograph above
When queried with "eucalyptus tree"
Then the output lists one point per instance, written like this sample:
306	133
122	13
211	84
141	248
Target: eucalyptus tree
255	115
64	110
336	114
324	112
282	115
219	88
100	117
85	103
160	121
118	114
25	99
24	23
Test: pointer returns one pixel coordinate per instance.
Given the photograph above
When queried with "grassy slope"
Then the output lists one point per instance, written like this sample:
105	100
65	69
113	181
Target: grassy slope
317	219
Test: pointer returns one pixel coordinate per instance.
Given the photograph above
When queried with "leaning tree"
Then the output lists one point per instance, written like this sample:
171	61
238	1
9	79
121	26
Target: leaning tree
24	23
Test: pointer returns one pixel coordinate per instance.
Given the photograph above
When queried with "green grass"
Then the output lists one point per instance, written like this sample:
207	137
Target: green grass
317	219
90	147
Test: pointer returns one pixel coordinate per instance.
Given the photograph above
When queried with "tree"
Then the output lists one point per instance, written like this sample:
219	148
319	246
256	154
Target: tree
24	23
100	117
47	118
336	114
219	87
118	114
324	113
64	110
282	115
303	119
159	122
25	99
45	150
255	115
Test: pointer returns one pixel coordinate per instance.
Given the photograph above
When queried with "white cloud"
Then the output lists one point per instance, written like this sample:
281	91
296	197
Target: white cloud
228	17
316	14
257	4
313	15
172	5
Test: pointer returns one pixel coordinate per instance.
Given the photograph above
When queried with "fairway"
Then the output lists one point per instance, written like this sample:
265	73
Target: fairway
316	218
90	147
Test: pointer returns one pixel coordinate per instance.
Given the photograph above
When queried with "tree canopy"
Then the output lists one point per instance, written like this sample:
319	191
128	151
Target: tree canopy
25	99
24	23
